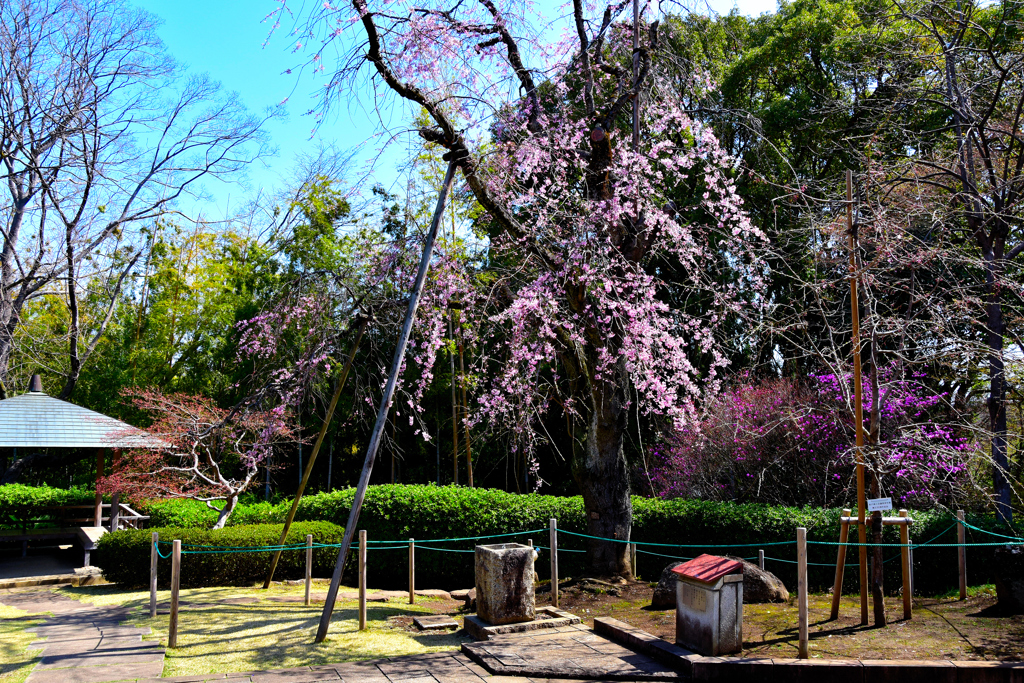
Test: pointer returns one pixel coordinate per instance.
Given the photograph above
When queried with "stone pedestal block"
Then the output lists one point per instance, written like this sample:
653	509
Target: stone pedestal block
504	583
709	605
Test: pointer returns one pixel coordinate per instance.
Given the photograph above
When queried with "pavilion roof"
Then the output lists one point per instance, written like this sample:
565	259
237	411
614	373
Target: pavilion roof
36	420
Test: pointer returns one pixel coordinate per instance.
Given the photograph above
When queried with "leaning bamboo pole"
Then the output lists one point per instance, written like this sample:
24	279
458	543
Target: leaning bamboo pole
385	404
363	321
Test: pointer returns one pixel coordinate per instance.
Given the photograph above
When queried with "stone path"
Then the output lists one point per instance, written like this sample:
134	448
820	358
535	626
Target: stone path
85	644
82	643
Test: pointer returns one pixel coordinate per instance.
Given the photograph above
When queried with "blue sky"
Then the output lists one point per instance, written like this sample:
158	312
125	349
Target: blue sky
225	38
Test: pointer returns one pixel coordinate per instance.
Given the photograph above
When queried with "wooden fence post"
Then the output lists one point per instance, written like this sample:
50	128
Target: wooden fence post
632	558
961	552
412	571
837	587
905	561
153	557
309	566
115	510
172	626
760	559
553	532
801	559
362	579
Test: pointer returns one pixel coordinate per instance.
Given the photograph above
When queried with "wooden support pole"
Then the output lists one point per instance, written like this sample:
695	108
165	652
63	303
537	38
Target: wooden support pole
362	579
363	322
961	553
760	559
115	510
385	405
154	556
801	559
632	558
553	533
309	567
412	571
837	587
905	562
858	402
172	626
98	512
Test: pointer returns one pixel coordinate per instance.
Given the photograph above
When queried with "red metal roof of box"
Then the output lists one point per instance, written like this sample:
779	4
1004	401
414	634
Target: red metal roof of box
708	568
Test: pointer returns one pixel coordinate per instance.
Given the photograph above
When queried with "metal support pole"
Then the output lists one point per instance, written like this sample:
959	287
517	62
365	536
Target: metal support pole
362	579
385	405
309	566
801	559
154	556
553	542
172	626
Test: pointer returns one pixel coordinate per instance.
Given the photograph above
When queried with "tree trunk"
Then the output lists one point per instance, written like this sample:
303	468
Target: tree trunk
602	475
225	512
997	394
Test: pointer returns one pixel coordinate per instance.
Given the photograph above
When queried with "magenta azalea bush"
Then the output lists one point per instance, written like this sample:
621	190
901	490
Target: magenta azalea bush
784	442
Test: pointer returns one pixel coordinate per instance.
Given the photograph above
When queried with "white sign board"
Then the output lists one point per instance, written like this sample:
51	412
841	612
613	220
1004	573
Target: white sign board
879	504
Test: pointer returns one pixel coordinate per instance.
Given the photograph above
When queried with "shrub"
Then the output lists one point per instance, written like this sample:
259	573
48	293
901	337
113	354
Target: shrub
22	505
124	555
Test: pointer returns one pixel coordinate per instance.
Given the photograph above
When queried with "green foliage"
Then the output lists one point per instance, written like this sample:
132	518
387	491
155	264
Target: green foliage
124	555
22	506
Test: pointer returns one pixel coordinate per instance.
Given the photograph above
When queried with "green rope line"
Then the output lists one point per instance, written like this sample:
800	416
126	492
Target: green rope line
561	550
990	533
444	550
913	545
679	545
160	554
467	538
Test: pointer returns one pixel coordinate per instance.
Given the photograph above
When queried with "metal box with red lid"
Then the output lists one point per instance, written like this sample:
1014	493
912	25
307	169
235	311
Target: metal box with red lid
709	605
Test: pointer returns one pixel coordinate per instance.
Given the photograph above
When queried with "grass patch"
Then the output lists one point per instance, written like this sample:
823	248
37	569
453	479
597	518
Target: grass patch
16	661
219	637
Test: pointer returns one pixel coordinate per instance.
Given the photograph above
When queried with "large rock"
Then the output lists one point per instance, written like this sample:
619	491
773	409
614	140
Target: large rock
504	583
758	586
1009	573
665	592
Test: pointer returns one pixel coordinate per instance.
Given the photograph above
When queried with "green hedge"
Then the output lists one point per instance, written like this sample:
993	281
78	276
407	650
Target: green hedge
397	512
25	506
124	555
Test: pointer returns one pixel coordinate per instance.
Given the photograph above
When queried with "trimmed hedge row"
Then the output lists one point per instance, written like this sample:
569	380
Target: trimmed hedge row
25	506
124	555
397	512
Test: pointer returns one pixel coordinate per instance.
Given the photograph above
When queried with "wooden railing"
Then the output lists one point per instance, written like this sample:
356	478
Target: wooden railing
61	516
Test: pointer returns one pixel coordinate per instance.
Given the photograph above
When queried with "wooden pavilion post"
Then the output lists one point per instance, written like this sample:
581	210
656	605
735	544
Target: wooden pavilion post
98	512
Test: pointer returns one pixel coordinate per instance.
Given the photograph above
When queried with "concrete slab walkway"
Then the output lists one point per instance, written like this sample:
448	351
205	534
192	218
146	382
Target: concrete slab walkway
85	644
82	643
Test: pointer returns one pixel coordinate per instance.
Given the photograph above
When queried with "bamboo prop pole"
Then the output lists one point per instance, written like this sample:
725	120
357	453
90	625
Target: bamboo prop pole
412	571
153	557
362	579
961	553
858	402
309	567
553	533
801	559
837	587
364	320
172	626
385	405
905	562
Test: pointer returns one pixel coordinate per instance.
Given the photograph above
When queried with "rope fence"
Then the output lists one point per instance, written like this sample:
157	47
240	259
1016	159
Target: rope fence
634	547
